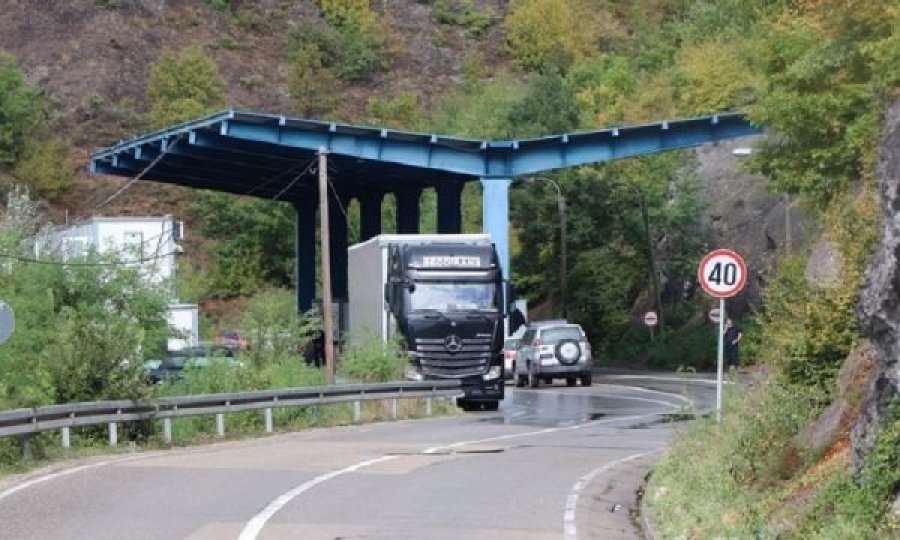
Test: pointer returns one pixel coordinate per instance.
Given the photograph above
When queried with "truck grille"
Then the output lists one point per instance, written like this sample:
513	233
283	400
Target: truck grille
472	359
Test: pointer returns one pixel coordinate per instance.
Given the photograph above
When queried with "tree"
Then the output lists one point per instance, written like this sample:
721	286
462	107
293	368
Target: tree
544	33
550	106
254	242
21	111
311	84
46	167
82	329
183	85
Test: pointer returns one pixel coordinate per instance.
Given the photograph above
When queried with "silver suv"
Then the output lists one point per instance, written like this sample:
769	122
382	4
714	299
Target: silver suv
553	351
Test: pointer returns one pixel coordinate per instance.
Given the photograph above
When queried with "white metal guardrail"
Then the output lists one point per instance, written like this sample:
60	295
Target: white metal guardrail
64	417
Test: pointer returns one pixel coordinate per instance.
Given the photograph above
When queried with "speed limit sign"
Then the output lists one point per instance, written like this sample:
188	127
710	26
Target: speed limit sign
722	273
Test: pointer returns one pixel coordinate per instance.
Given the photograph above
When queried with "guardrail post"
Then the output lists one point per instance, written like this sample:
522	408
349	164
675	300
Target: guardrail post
220	424
393	408
427	406
167	430
356	411
64	434
26	447
113	434
268	414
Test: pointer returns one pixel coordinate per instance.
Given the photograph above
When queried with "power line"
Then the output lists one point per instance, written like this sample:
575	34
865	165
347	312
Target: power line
295	180
32	260
140	175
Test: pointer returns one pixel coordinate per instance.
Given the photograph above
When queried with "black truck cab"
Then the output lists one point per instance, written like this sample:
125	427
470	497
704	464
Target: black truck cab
448	303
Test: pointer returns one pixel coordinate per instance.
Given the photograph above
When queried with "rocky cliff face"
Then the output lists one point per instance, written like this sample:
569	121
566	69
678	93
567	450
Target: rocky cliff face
879	307
744	215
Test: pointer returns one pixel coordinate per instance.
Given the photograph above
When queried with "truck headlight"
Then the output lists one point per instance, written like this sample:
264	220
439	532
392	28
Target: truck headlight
493	373
412	374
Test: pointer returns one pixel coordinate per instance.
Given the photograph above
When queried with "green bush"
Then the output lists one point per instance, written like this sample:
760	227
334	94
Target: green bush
546	33
729	465
22	111
691	346
81	328
370	360
351	46
275	331
312	83
46	167
183	85
464	13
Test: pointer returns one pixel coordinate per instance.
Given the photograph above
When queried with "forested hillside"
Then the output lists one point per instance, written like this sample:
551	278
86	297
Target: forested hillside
817	74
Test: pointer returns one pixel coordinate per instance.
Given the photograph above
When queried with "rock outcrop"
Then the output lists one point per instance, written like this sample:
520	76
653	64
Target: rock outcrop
879	307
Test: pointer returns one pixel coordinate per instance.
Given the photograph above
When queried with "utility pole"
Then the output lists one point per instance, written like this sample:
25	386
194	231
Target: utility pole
327	319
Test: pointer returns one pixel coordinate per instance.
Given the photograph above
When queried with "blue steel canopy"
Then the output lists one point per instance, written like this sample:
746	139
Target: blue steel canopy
270	156
237	151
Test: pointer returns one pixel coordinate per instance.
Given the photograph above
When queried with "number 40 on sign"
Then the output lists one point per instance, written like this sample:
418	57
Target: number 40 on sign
722	273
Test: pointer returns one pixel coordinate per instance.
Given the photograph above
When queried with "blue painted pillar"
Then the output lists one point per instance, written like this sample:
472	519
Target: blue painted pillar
370	215
305	247
408	210
337	230
495	216
449	207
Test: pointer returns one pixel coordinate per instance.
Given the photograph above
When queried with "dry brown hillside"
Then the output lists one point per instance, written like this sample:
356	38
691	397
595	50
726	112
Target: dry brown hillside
92	59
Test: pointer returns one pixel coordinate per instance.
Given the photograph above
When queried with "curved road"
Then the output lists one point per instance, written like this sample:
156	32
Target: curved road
554	462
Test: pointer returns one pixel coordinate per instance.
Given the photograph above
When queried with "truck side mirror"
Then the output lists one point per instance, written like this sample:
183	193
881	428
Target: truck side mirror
387	293
508	298
410	286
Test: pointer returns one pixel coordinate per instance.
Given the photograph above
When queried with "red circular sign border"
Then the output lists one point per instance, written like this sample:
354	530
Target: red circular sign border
740	261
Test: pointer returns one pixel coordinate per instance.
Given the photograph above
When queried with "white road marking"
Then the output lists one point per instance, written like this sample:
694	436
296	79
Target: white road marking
255	525
52	476
666	379
686	400
569	530
444	448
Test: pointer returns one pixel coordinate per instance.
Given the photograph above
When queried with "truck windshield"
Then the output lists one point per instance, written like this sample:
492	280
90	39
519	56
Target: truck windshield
452	296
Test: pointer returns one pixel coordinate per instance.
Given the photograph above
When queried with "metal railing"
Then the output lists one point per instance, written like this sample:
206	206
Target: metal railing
25	422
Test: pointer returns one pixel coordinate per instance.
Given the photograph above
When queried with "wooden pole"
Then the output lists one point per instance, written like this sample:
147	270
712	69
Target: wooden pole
327	320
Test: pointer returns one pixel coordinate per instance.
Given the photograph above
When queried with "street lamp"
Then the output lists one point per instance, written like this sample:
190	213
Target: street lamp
561	206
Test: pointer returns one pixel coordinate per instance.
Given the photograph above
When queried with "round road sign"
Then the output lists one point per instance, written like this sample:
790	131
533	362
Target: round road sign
7	321
722	273
651	319
714	315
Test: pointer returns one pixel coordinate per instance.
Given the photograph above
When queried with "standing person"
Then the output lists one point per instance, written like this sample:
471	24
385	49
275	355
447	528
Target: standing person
732	338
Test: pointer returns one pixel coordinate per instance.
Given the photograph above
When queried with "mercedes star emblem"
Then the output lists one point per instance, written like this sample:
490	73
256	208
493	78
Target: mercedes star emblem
452	343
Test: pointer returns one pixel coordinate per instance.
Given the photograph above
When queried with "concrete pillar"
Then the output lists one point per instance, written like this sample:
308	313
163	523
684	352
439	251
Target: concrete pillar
495	216
306	252
449	206
408	210
370	215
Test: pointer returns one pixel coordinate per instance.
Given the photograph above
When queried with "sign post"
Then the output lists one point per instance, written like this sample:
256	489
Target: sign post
651	319
722	274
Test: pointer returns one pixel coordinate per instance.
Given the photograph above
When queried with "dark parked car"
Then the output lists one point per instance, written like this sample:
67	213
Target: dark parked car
198	356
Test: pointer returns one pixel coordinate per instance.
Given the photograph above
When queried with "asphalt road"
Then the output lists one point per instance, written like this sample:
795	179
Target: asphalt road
553	462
